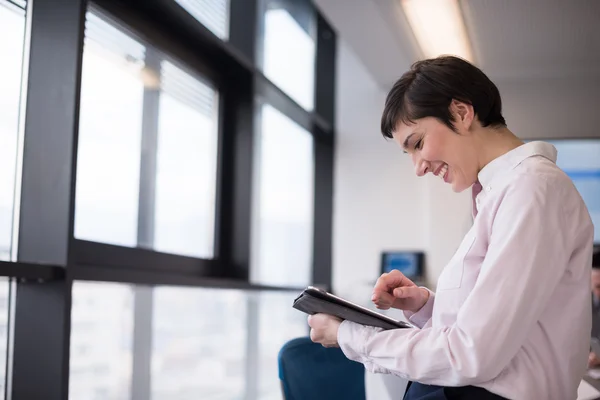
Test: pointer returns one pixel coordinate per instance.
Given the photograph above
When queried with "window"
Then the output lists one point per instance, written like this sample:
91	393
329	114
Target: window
214	14
206	343
283	223
101	341
288	52
110	135
146	172
278	323
12	39
167	143
186	164
199	344
580	159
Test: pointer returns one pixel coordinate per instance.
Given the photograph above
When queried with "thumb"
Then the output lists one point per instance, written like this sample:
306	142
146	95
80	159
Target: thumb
407	292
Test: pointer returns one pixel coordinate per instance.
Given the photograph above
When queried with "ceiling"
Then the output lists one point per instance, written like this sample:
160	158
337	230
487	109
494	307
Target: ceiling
513	40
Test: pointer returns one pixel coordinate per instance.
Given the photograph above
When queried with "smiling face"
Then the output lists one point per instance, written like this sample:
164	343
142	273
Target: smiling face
437	149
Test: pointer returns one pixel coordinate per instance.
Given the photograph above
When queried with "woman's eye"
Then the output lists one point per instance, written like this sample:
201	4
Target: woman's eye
419	144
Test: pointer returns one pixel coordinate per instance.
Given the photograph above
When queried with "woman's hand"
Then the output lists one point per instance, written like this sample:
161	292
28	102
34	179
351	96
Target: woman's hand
593	360
397	291
324	329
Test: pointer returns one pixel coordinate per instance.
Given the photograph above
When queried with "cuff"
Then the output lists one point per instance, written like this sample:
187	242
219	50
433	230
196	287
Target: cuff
352	339
420	318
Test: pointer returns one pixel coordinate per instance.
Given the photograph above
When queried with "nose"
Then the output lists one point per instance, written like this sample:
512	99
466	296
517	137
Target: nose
421	166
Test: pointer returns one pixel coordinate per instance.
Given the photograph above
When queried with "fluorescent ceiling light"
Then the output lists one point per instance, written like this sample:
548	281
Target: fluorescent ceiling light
438	27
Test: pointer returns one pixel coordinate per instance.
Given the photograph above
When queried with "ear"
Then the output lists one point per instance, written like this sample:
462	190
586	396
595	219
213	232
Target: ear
463	114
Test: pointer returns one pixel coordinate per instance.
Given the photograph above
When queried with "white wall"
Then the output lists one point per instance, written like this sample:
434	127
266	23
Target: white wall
379	203
553	108
448	217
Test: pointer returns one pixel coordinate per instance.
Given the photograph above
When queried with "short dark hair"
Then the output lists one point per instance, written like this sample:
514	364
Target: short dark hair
428	88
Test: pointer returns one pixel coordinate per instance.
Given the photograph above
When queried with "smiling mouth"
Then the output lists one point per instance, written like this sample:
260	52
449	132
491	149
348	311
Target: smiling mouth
442	172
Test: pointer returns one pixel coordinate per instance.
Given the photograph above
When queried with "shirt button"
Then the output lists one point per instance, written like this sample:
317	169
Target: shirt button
488	188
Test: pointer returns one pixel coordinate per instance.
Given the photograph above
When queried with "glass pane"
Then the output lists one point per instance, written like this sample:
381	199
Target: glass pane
146	173
186	165
101	341
283	212
209	344
278	323
288	58
110	134
580	159
214	14
12	37
199	344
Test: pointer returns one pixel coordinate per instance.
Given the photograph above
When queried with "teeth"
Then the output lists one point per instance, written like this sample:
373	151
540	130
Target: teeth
443	171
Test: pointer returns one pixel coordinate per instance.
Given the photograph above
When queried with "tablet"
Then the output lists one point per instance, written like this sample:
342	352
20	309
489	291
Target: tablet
312	301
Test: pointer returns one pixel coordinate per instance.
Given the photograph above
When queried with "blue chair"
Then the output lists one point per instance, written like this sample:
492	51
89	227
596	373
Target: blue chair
309	371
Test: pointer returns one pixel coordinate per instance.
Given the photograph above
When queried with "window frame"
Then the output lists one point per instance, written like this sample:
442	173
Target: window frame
50	259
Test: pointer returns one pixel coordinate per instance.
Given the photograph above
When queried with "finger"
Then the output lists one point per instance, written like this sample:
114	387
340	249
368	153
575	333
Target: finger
317	318
382	298
384	303
391	280
313	336
381	284
407	292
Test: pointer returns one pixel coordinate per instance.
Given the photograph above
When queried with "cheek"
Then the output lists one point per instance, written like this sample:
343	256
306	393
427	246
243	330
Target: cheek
432	153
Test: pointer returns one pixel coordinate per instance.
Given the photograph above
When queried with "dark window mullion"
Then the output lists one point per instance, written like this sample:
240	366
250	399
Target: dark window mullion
42	318
234	193
324	153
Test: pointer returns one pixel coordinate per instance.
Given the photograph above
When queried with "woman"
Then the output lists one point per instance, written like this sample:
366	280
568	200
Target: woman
511	317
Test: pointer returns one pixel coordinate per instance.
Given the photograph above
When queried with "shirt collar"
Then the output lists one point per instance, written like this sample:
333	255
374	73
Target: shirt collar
515	157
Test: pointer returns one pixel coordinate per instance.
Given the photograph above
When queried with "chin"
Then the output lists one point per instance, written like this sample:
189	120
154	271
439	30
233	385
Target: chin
458	188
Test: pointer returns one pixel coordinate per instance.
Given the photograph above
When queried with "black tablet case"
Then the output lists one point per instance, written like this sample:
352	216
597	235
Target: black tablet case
312	301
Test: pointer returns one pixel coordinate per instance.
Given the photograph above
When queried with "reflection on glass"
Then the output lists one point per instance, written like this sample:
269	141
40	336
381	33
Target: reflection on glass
580	159
101	342
12	33
131	94
278	323
214	14
186	165
289	54
110	131
199	344
283	224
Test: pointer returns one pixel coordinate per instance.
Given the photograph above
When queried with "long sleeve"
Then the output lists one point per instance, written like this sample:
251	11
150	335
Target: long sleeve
421	318
526	259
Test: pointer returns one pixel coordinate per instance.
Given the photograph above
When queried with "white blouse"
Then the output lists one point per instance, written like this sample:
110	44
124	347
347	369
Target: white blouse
512	311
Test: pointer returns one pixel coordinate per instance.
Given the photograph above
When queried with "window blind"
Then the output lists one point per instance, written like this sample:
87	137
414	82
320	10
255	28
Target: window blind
214	14
187	88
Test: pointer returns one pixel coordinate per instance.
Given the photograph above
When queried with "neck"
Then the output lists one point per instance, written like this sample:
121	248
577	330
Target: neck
495	142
